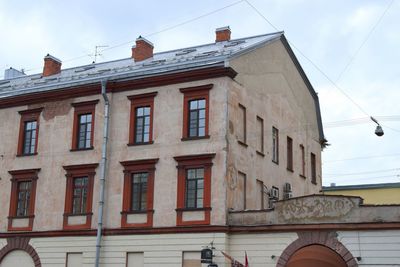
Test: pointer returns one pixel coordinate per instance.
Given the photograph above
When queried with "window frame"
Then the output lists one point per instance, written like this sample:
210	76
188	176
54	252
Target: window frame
18	176
190	94
289	153
313	165
275	145
244	141
193	162
27	116
132	167
82	108
187	179
139	101
261	121
73	172
303	161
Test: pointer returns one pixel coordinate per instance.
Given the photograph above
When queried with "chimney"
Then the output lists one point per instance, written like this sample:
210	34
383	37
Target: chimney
222	34
13	73
142	50
52	65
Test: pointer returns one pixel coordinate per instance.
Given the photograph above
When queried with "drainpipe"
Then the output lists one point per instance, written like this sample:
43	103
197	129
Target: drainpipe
103	170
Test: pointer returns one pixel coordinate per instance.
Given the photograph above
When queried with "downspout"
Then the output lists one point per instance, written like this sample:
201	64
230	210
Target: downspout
103	170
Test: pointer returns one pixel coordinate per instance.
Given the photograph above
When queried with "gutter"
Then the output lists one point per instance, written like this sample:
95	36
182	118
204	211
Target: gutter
103	169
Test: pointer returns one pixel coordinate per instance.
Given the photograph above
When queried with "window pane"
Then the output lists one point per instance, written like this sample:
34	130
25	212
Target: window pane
202	103
193	104
139	112
139	191
89	118
202	131
202	113
147	111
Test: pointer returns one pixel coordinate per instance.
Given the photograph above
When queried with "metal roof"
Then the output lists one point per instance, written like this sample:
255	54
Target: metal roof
360	186
175	60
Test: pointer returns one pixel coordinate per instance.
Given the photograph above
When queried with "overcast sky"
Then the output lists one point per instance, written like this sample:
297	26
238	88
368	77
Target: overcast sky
331	34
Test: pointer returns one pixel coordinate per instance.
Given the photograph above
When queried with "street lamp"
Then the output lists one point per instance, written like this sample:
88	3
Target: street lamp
378	131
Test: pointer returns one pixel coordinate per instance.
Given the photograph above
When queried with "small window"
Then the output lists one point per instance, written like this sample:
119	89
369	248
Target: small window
275	145
260	135
141	121
29	132
83	130
289	153
241	132
195	112
139	191
303	161
313	169
194	193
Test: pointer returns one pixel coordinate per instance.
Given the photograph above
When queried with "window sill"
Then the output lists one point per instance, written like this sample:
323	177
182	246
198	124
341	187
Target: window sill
81	149
260	153
276	162
141	144
195	138
137	212
313	182
302	176
193	209
78	214
242	143
290	170
21	217
27	155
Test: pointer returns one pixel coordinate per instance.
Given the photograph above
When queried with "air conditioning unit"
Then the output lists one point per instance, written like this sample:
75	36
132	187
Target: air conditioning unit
287	195
274	193
287	187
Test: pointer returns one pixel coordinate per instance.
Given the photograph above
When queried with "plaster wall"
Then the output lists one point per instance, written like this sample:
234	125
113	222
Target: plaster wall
55	138
269	86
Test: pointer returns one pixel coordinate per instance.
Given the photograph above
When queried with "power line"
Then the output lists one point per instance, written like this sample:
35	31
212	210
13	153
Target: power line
360	158
361	173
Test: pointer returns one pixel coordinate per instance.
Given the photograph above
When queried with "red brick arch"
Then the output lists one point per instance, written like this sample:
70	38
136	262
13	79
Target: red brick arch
327	239
20	243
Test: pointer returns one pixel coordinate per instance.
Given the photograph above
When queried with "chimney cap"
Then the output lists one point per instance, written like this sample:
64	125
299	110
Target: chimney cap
48	56
140	38
223	29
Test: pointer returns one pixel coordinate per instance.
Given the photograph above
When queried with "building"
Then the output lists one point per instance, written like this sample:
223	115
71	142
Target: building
181	142
388	193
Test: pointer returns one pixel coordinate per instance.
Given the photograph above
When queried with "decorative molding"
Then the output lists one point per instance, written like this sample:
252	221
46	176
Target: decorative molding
20	243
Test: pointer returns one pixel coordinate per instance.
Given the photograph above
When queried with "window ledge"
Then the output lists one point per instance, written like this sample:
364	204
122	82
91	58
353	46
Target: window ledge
195	138
315	183
302	176
27	155
276	162
260	153
137	212
242	143
141	144
81	149
78	214
21	217
193	209
290	170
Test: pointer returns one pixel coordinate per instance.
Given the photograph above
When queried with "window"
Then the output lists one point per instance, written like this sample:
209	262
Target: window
29	132
194	188
241	133
313	169
137	203
241	192
195	112
79	196
303	161
141	119
289	154
260	195
83	130
22	202
275	145
260	136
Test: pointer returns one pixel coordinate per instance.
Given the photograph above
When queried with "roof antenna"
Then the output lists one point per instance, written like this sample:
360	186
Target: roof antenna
97	52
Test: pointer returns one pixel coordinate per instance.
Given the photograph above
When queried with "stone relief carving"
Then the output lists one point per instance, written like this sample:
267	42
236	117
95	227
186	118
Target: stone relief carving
316	207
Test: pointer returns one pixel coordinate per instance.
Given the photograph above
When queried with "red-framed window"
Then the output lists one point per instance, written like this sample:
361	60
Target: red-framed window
28	132
289	153
141	119
22	200
79	196
194	186
196	110
138	192
83	127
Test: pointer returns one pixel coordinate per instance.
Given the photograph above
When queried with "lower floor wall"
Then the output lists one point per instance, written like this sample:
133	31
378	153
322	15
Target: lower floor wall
367	248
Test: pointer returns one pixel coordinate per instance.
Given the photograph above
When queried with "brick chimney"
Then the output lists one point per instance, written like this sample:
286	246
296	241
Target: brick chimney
142	50
222	34
52	65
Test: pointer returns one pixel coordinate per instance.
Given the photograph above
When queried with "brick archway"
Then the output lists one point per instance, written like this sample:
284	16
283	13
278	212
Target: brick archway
327	239
20	243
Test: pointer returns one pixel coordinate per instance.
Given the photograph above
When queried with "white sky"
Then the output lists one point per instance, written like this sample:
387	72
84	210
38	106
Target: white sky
327	32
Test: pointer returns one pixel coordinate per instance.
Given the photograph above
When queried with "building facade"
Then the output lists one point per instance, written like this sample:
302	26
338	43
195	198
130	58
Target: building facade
179	140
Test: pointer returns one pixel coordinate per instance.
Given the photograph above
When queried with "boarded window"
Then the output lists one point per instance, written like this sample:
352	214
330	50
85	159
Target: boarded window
74	259
289	153
275	145
241	131
260	135
260	195
191	259
313	169
135	259
303	161
240	192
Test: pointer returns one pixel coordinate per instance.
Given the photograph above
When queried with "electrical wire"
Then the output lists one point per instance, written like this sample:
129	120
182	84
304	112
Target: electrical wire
361	158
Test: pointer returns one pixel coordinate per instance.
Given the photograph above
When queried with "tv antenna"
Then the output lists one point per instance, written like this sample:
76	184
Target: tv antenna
97	52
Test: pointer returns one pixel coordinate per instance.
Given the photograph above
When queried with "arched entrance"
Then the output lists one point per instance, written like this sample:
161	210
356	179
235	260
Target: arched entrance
316	256
17	258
